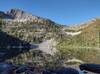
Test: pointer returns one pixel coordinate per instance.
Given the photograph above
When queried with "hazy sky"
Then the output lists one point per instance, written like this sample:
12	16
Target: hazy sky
61	11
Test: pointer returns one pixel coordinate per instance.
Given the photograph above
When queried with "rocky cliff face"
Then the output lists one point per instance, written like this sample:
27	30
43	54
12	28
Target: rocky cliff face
19	14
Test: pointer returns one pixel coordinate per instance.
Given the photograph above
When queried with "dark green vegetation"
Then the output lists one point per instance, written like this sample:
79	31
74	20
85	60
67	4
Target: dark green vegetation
32	32
23	33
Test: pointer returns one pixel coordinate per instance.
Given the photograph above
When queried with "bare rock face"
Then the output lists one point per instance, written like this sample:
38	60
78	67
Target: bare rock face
19	14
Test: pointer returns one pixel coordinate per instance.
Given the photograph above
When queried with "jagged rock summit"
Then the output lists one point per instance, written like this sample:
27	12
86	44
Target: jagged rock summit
19	15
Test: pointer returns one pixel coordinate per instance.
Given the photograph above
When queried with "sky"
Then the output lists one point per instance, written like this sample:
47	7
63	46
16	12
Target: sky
66	12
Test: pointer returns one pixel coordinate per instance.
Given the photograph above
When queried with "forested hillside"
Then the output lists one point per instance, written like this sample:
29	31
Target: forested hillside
86	45
53	42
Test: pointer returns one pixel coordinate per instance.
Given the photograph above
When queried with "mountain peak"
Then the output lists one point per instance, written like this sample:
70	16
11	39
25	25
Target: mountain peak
19	14
14	11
